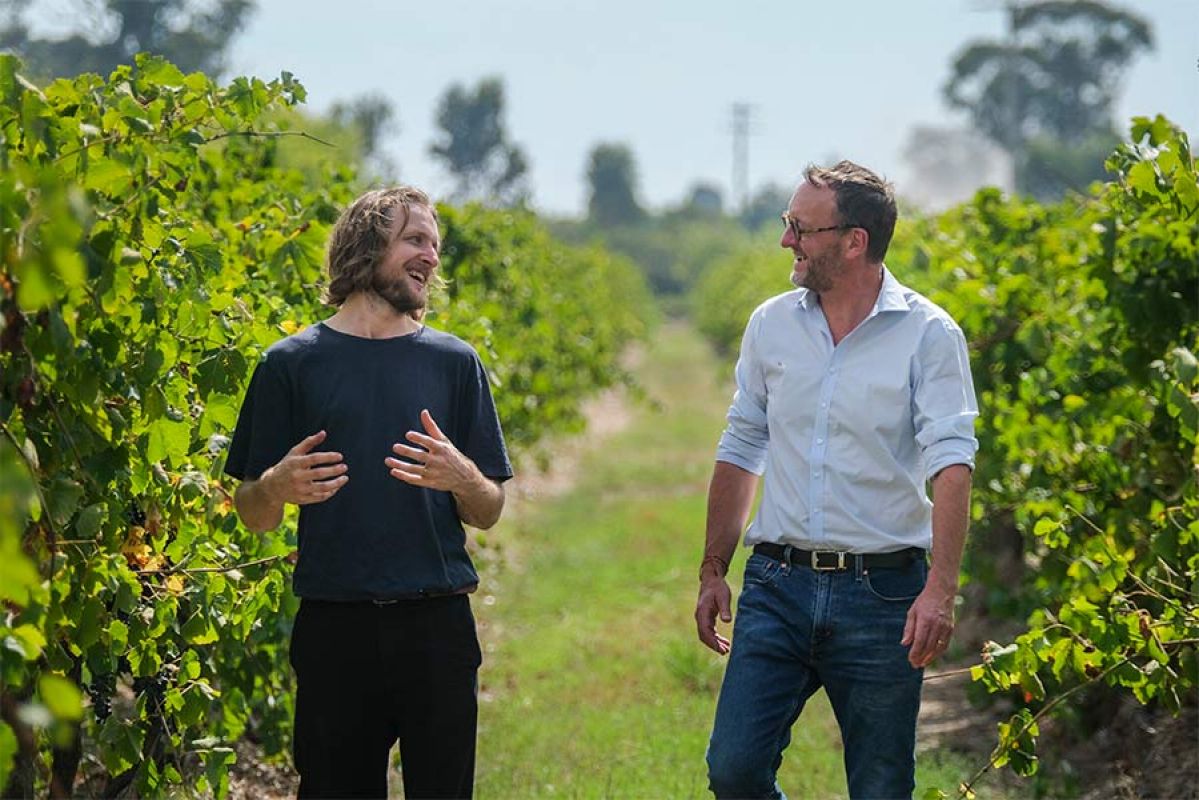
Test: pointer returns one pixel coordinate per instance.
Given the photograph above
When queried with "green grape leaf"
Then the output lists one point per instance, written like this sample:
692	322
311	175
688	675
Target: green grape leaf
8	739
157	70
167	440
61	697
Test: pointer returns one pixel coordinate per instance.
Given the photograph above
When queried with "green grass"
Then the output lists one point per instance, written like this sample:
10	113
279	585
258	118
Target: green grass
594	684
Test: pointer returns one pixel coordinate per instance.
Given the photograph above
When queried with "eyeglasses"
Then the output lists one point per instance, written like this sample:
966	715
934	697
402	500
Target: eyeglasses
792	224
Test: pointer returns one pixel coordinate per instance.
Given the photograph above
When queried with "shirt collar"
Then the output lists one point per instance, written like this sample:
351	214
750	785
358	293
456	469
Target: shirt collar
892	296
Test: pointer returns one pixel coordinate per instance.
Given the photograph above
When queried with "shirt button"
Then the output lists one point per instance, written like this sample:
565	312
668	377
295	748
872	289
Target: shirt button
820	441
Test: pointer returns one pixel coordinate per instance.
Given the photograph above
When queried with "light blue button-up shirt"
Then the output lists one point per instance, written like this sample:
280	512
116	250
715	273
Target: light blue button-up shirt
848	436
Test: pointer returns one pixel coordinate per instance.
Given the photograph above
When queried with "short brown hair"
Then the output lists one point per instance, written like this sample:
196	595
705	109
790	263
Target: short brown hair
863	199
362	235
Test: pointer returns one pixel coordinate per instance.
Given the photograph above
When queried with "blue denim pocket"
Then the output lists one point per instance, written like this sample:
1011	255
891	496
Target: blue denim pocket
761	570
897	585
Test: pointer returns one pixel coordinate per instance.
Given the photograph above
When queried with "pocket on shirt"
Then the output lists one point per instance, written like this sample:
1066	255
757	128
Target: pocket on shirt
897	585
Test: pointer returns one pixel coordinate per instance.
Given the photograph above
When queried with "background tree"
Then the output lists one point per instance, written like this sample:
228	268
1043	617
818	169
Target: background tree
612	182
765	205
1050	87
704	200
373	117
474	145
194	35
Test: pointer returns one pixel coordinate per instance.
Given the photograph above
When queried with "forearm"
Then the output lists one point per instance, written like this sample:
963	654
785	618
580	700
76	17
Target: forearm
951	519
480	501
730	496
259	509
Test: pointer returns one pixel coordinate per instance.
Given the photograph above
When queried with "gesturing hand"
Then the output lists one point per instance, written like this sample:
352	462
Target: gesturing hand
439	465
304	477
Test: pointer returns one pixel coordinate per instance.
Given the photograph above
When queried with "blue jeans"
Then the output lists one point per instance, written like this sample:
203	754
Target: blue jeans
798	630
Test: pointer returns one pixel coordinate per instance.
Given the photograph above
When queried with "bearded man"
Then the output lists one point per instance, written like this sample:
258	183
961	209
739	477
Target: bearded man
853	393
383	431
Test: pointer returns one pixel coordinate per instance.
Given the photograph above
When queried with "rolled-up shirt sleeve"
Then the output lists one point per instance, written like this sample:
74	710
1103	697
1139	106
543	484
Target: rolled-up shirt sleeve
743	443
944	406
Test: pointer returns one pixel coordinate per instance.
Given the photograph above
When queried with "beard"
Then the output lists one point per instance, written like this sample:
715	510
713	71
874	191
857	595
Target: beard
397	293
818	276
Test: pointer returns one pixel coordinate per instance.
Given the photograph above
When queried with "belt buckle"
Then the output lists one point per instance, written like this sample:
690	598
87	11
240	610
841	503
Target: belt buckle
840	565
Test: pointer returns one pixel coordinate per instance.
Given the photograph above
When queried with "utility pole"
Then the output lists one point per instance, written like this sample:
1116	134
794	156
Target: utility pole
742	113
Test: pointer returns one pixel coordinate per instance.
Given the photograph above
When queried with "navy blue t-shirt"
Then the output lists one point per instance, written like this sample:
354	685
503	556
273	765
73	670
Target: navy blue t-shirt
378	537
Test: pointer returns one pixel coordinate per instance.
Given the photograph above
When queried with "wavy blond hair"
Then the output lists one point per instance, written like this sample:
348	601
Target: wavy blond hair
362	235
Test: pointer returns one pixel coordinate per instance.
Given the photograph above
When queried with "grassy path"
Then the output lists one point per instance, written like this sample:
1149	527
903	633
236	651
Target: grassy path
594	684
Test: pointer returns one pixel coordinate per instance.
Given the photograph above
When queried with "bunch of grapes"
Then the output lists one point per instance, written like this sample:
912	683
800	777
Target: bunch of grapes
100	690
153	688
134	515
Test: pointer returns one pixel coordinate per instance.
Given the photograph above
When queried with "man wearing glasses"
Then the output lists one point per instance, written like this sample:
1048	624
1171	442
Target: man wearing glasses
853	392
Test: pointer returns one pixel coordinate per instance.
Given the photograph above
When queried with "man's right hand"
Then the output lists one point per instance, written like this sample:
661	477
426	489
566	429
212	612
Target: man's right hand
304	477
714	598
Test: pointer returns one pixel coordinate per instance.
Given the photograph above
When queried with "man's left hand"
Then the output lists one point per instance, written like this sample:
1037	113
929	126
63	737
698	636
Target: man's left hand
435	464
929	625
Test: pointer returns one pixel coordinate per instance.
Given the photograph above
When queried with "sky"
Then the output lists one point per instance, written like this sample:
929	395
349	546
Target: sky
824	79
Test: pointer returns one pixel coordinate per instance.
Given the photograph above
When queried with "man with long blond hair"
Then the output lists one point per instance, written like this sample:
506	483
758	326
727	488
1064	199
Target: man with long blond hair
383	431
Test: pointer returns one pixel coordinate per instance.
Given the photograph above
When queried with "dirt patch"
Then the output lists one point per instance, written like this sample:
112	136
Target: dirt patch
252	777
1142	753
1117	749
949	722
947	719
606	415
552	469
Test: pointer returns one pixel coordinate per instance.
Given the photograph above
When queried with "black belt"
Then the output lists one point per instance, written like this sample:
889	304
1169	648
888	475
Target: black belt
837	561
424	594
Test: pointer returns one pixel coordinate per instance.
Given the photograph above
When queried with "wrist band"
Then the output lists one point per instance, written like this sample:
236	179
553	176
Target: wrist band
714	559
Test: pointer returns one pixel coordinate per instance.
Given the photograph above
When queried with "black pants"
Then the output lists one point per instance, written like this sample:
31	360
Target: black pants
368	675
